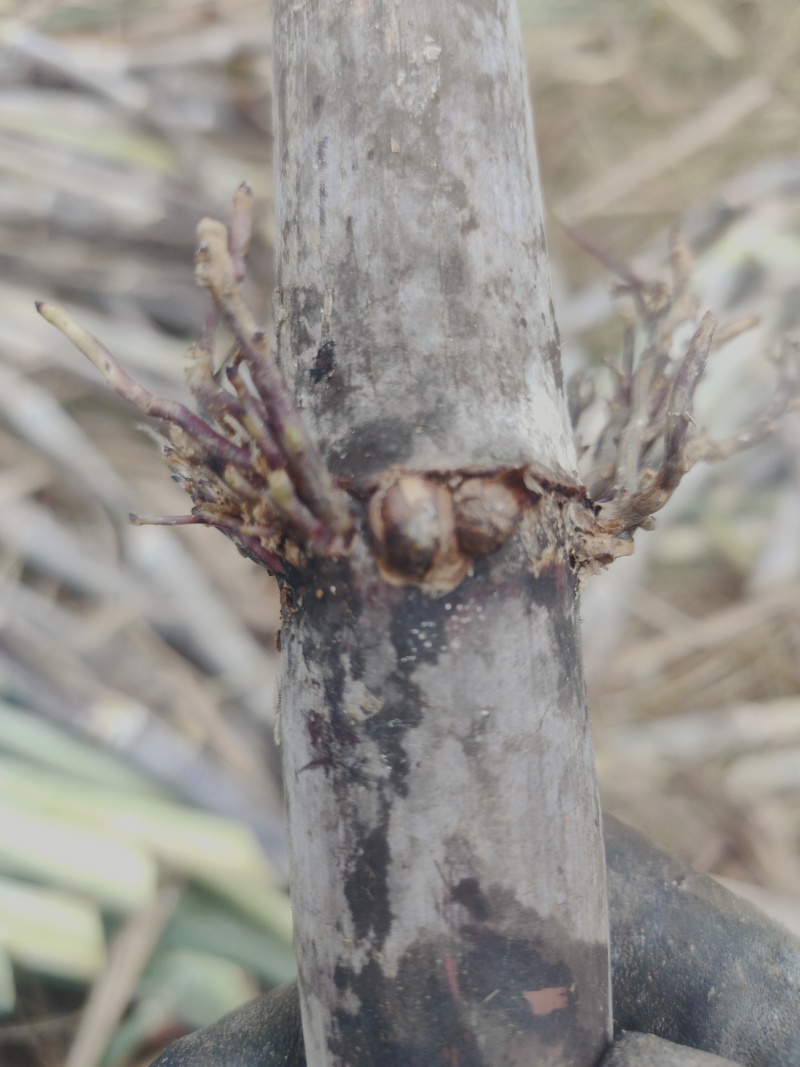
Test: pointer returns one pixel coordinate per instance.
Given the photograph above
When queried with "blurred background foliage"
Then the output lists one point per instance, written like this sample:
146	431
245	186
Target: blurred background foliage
142	859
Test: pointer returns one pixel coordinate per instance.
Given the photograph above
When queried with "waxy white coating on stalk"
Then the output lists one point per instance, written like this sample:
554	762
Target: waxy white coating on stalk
410	237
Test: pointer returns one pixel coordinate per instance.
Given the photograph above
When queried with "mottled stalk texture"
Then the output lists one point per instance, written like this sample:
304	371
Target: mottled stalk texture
447	862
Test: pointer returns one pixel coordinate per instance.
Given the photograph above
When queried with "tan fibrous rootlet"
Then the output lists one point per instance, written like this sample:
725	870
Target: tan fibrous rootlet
650	438
248	463
253	471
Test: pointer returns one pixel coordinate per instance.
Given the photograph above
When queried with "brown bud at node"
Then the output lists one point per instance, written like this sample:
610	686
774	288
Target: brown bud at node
417	524
413	524
486	514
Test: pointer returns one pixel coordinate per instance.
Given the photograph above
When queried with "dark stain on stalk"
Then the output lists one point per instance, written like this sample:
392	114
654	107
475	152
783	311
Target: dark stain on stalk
405	705
357	660
499	971
378	444
468	894
526	980
415	623
508	986
366	887
325	363
416	1023
555	590
330	732
417	632
328	737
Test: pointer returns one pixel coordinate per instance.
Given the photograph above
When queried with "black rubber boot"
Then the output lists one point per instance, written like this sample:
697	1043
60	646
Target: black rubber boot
691	963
